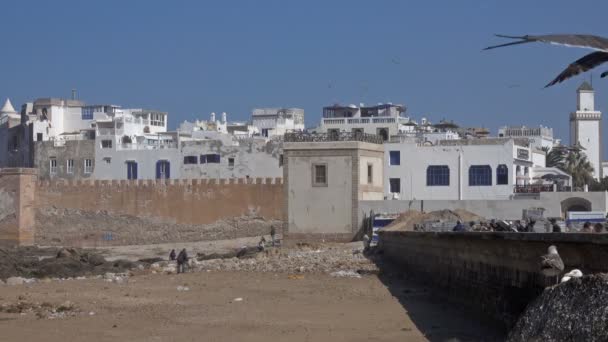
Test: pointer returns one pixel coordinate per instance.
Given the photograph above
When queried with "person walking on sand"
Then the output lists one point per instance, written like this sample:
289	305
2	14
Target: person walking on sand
182	259
172	255
273	232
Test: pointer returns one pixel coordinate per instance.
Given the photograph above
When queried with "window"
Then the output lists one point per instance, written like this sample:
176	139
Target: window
480	175
264	132
131	170
230	162
163	169
395	157
53	166
319	175
203	158
437	175
70	166
395	185
212	158
38	136
502	174
280	160
157	119
190	160
88	166
106	144
15	142
370	173
87	113
107	160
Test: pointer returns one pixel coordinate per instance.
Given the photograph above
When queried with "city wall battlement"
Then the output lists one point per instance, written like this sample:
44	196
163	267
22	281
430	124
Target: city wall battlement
104	212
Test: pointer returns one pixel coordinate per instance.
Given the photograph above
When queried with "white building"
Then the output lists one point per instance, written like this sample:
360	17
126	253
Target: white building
277	121
586	127
384	120
465	169
540	137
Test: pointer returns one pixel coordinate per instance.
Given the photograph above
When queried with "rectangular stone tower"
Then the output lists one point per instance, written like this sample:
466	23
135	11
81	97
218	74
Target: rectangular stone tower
325	176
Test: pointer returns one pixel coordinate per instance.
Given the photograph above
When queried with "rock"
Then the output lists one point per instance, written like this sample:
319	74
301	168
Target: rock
1	282
68	253
109	275
574	310
346	274
183	288
15	281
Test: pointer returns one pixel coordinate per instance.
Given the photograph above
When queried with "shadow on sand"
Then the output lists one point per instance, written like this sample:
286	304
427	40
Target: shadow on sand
437	317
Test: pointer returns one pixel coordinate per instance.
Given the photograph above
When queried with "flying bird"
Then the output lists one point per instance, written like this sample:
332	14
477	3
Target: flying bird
586	63
551	264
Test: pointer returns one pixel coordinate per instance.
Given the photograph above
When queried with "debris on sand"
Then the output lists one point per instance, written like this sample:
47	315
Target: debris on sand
33	262
43	310
345	274
408	220
571	311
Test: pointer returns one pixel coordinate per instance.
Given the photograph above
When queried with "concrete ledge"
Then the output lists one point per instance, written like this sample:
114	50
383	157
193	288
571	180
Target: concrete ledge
293	238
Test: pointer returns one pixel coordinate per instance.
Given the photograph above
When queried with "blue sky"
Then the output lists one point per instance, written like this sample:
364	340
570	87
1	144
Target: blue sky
194	57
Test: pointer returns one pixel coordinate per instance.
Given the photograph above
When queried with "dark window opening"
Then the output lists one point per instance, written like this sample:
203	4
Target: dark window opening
438	175
38	136
395	185
230	162
480	175
190	160
502	174
395	157
370	173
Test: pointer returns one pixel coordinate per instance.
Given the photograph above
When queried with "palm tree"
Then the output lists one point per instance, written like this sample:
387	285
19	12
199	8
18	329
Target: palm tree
555	156
578	166
573	161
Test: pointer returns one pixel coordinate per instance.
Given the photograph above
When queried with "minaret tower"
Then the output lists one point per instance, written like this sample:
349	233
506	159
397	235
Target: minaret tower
586	127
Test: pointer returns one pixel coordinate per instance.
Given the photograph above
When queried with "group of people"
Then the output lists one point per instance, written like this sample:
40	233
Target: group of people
526	226
181	259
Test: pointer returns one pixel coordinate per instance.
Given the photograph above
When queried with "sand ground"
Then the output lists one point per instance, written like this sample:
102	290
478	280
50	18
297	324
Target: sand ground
274	307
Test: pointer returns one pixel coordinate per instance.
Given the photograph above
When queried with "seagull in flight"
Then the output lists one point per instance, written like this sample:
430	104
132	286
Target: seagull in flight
586	63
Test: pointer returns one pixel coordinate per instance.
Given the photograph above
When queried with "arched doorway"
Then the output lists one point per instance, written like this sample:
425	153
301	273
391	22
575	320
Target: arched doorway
383	132
575	204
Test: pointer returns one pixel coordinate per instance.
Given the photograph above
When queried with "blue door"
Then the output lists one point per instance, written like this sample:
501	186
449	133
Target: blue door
131	170
163	169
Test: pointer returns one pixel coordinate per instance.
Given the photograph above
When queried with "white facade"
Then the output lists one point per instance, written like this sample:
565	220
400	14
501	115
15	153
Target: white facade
277	121
540	137
459	169
384	120
586	128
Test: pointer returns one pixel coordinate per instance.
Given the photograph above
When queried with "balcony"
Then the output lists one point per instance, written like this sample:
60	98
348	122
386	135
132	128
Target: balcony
329	137
538	188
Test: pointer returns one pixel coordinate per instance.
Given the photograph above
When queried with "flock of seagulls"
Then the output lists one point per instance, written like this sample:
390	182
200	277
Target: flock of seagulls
586	63
551	265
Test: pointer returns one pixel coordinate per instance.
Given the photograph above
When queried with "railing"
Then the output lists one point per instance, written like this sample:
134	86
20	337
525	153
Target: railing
145	146
383	120
538	188
329	137
333	121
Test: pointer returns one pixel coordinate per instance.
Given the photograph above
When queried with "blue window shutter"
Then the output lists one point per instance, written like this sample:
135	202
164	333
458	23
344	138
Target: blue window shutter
203	159
167	170
158	169
134	170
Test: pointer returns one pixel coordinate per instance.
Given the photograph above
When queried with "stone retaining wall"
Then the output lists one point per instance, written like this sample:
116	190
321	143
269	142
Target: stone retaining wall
497	273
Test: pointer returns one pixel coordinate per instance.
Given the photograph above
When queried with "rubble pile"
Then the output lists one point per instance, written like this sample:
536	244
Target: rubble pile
324	259
411	219
576	310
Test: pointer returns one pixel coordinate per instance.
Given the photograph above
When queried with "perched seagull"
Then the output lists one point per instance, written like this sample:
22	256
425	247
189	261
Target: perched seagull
586	63
551	264
575	273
